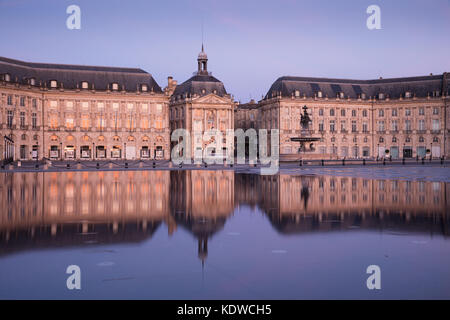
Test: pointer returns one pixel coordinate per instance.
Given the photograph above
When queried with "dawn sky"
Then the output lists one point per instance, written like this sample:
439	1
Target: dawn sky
249	43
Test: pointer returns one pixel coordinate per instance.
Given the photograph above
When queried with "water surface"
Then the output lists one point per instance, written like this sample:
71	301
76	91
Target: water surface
221	235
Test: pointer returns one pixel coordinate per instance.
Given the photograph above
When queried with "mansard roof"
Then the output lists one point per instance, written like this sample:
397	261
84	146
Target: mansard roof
71	76
421	86
201	85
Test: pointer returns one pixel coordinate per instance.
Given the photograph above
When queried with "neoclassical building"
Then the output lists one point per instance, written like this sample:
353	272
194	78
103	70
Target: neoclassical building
200	104
87	112
398	118
81	112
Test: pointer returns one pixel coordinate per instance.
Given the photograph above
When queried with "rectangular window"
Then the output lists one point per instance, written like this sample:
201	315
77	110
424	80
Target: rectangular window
365	127
34	103
354	128
9	100
342	112
144	107
321	125
343	126
394	125
421	111
408	125
421	124
159	124
353	113
34	120
366	152
10	119
381	113
53	104
53	121
320	112
100	106
115	106
332	112
144	123
69	105
435	110
332	128
69	123
394	112
158	108
364	113
407	112
22	101
101	122
22	119
85	105
85	121
436	124
380	125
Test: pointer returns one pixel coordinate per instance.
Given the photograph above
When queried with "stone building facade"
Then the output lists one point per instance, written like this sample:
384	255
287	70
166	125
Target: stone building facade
398	118
86	112
81	112
202	104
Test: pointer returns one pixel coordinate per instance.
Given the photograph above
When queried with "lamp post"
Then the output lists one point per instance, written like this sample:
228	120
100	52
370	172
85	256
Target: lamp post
431	151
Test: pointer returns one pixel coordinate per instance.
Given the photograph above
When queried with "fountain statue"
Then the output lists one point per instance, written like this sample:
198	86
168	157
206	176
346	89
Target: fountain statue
306	139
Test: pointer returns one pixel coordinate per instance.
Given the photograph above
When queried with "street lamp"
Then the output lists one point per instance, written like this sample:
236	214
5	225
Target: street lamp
431	151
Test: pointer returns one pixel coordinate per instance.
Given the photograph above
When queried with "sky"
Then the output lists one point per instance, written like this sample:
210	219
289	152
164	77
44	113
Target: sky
249	43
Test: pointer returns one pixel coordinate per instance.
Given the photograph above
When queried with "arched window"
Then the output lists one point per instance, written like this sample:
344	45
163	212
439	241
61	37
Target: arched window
381	139
394	139
435	139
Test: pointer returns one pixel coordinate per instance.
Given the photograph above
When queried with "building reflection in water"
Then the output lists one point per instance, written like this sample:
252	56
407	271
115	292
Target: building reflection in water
77	208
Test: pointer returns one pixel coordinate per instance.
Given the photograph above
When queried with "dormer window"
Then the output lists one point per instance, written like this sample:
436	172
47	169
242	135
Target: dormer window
381	96
363	96
215	91
319	94
341	95
84	85
203	91
32	81
297	93
408	94
7	77
144	88
53	84
115	86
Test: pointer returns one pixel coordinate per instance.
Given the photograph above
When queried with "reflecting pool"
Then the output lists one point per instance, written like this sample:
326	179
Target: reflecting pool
221	235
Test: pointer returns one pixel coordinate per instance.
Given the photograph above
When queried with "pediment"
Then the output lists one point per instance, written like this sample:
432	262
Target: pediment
212	99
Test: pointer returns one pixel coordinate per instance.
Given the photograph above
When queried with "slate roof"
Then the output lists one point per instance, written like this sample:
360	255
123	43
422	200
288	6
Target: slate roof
72	75
394	88
200	82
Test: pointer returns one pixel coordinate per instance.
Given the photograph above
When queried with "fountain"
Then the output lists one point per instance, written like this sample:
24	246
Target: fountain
306	140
